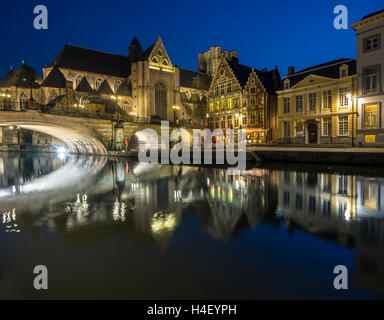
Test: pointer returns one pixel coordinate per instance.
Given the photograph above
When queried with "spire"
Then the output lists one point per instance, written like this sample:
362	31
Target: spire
135	49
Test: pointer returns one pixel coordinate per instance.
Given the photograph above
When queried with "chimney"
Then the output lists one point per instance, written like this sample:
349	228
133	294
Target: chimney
291	70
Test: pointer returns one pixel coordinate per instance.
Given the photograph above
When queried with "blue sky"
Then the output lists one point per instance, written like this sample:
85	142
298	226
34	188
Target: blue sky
265	33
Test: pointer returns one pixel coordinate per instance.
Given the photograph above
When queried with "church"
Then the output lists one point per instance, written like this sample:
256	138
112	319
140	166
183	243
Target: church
145	83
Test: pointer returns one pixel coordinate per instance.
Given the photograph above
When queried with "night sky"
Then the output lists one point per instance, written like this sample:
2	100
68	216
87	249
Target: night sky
265	33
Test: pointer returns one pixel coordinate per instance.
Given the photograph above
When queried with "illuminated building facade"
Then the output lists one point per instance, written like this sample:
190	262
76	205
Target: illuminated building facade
241	97
317	105
144	83
370	62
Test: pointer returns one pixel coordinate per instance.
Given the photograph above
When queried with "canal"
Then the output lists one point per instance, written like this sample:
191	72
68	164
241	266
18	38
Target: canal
113	228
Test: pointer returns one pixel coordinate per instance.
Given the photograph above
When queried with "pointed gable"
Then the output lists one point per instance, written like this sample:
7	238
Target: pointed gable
105	88
6	79
157	55
84	86
55	79
24	77
124	90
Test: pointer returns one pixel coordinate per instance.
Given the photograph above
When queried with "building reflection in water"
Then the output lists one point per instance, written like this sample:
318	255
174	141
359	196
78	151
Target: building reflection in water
150	201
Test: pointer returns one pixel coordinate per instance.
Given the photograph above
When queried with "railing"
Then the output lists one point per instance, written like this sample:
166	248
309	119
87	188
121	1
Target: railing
17	107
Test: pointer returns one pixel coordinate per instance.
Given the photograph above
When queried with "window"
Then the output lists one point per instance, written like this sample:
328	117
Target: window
327	127
286	198
216	91
161	100
286	84
229	104
154	60
222	89
23	101
370	80
253	117
236	102
343	125
211	108
371	116
78	80
117	85
299	201
343	71
343	98
327	99
253	90
229	87
245	118
229	121
287	105
236	122
223	122
299	103
312	102
52	96
371	43
98	83
312	204
287	129
159	53
260	116
300	128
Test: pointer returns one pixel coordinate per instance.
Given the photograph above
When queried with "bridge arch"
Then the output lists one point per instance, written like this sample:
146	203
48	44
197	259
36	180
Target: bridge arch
77	134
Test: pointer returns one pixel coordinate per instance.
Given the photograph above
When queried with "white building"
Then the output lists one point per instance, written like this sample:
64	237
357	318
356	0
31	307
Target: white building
370	62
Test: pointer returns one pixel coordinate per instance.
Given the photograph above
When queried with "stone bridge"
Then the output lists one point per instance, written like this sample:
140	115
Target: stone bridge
81	135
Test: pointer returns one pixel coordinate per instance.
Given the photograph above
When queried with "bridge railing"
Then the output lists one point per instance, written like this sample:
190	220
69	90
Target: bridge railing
17	107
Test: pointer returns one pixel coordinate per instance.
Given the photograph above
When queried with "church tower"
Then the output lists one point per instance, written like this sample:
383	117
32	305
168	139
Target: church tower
135	49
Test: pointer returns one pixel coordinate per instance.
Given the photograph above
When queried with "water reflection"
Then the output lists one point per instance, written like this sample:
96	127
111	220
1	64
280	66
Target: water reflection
84	200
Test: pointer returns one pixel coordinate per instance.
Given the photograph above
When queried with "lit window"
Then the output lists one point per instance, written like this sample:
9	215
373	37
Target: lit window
371	116
287	129
327	99
343	125
287	105
299	103
327	127
312	102
343	98
300	128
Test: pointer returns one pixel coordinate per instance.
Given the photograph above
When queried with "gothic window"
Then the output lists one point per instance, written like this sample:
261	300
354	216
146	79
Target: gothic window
23	101
98	83
165	62
159	53
52	96
117	85
161	100
154	60
126	106
77	81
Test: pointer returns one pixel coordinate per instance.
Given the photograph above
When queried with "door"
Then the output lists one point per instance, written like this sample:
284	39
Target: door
312	133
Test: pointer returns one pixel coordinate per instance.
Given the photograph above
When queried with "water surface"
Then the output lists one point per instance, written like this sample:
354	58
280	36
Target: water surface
122	229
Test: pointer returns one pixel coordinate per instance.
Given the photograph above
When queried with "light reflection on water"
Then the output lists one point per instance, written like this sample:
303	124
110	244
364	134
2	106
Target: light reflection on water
121	229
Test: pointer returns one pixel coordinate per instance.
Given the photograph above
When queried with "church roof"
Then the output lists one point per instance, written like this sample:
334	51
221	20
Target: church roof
124	90
84	86
23	77
7	77
188	79
83	59
135	42
145	55
55	79
105	88
329	69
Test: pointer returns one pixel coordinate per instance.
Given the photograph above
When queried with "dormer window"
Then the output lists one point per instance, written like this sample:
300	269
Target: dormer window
343	71
287	84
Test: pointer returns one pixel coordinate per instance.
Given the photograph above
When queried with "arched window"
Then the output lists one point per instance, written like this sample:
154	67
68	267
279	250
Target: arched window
126	106
98	83
159	53
23	101
154	60
165	62
117	85
78	80
161	100
83	101
52	96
